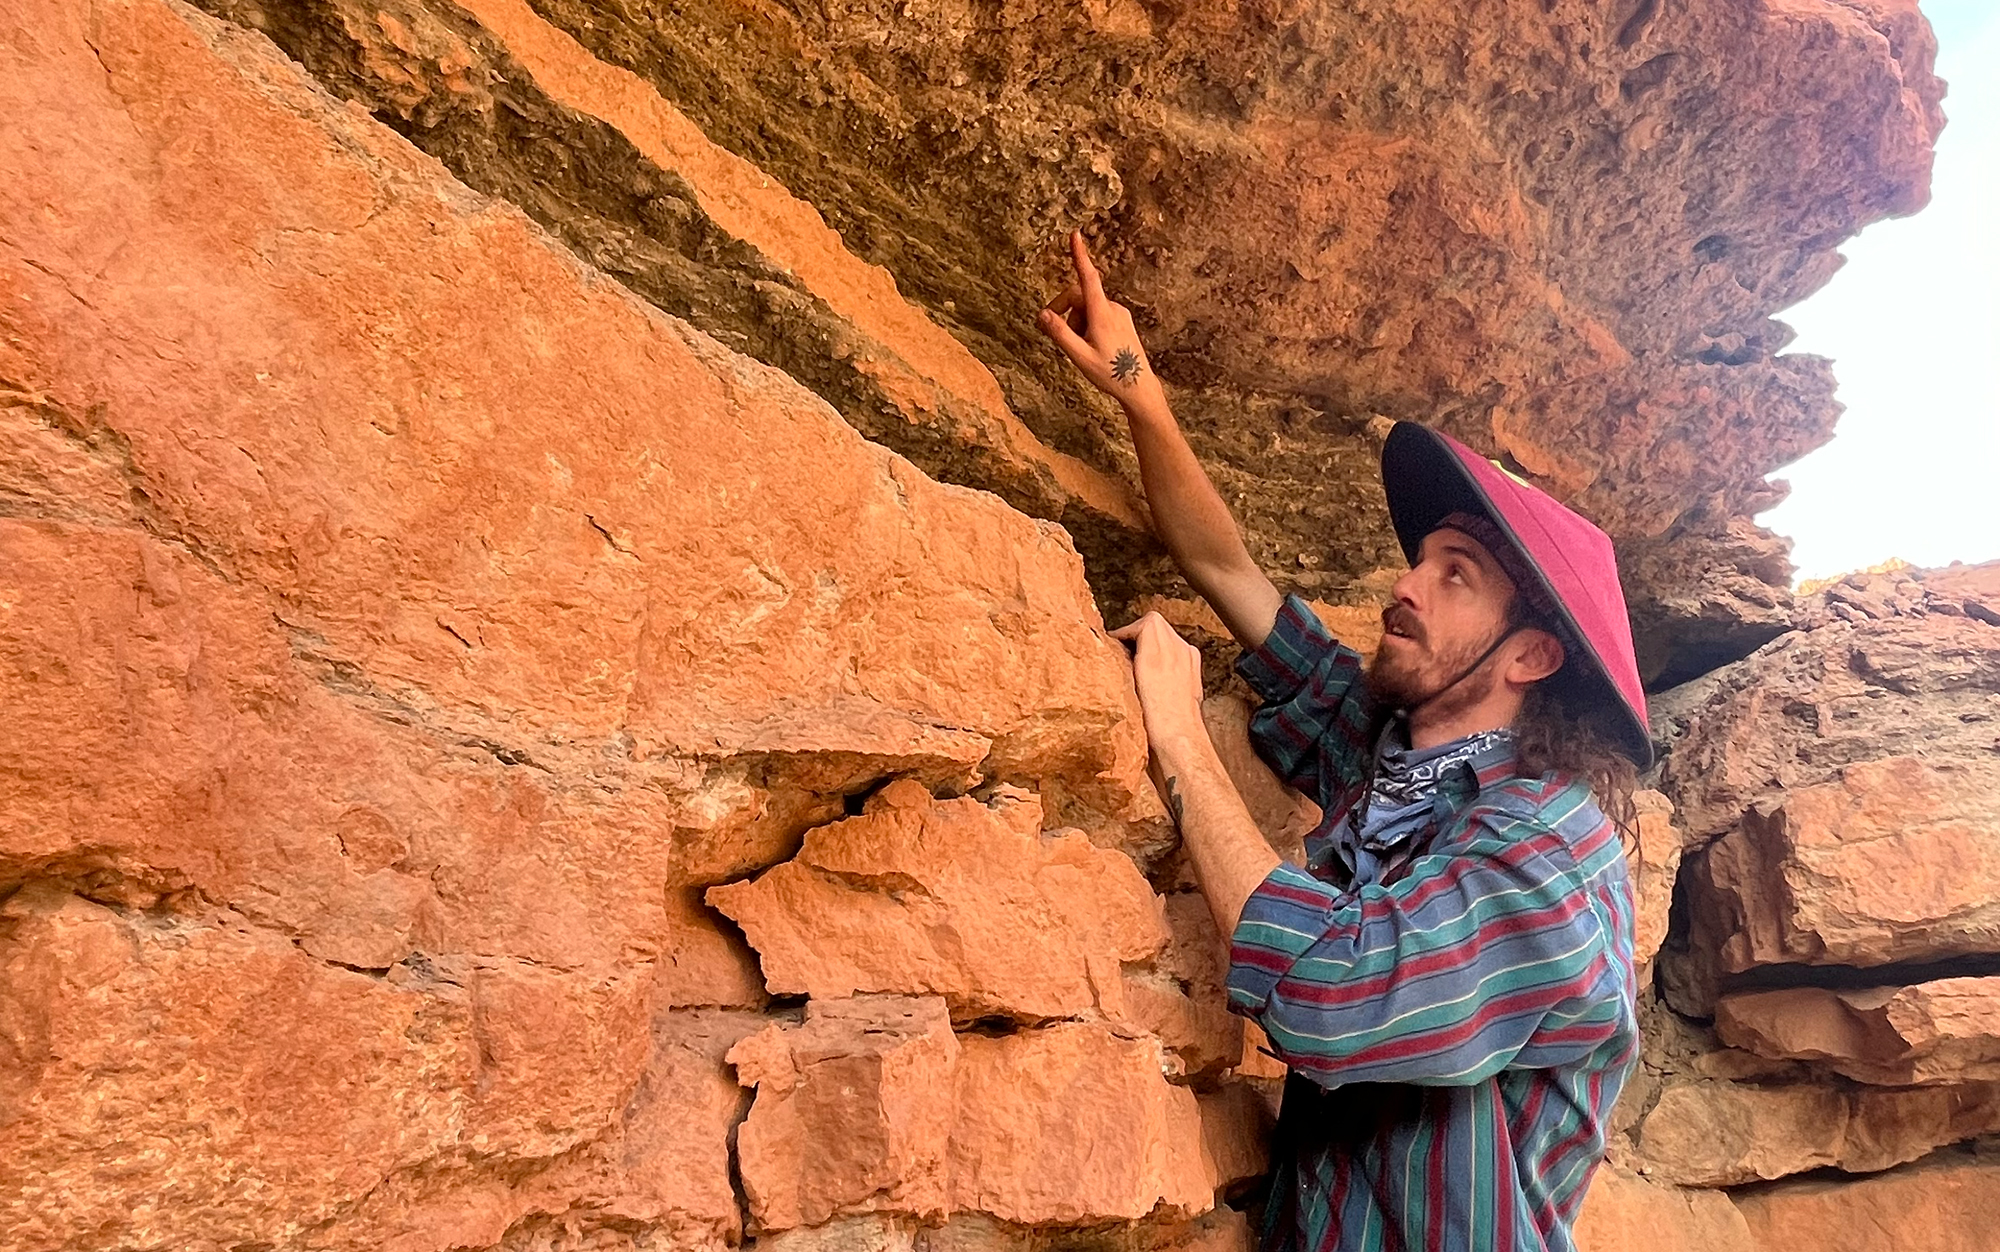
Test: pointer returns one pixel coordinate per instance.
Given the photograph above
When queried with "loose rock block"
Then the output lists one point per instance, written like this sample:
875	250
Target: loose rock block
958	898
854	1109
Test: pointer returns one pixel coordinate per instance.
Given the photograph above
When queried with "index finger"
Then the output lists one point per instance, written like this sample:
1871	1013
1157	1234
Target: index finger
1138	625
1086	272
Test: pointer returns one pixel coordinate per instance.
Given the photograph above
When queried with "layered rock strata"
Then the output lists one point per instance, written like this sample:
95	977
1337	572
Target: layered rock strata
1827	979
1839	789
403	623
554	699
1577	273
1895	1036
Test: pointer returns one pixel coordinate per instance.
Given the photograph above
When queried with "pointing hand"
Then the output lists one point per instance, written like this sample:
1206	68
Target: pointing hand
1097	334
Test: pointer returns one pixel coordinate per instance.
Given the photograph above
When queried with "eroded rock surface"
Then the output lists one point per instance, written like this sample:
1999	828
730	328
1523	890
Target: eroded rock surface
848	1116
873	1103
1942	1203
440	553
1717	1134
1934	1031
1626	1213
402	623
1577	273
1074	1125
1836	792
958	898
1839	790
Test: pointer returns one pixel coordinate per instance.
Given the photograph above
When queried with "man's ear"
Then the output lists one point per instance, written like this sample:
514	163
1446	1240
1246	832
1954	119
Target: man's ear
1541	654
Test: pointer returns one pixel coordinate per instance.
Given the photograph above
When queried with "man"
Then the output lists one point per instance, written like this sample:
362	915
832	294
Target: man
1449	977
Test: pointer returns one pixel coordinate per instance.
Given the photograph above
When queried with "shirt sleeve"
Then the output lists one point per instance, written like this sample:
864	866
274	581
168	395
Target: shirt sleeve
1480	959
1312	728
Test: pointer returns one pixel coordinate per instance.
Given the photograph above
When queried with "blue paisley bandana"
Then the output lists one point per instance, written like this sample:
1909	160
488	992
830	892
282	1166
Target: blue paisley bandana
1401	798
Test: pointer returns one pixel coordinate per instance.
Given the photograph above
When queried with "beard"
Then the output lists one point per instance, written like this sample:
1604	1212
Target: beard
1405	675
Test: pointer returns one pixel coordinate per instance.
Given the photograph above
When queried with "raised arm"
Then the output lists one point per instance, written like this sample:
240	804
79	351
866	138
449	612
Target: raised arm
1097	335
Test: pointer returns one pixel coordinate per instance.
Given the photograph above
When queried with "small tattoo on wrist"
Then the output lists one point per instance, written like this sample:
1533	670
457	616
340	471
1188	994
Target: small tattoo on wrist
1125	366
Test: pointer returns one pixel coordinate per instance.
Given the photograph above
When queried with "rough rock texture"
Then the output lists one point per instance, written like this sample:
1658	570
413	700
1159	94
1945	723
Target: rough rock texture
1840	790
1934	1031
958	898
1894	860
1881	666
400	620
1943	1203
1653	861
847	1117
1715	1134
1072	1124
1218	1230
1560	230
873	1103
1625	1213
1836	794
470	673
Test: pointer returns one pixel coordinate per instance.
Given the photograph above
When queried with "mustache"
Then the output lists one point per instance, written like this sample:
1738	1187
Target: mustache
1399	619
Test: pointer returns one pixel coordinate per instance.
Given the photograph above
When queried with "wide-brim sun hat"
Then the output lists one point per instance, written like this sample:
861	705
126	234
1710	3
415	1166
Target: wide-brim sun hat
1428	476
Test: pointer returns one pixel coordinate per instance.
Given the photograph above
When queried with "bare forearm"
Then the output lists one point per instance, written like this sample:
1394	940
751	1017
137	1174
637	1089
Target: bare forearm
1196	525
1231	856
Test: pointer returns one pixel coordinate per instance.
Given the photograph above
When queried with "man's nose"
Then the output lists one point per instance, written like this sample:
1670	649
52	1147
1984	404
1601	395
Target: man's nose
1405	590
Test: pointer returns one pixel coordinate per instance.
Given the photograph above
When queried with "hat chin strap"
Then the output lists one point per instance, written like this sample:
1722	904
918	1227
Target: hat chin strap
1465	673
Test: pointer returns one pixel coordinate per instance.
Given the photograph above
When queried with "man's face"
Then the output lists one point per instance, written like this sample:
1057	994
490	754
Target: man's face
1447	610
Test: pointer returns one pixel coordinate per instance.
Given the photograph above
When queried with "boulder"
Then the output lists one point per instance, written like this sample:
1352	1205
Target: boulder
1894	860
1837	790
1946	1030
959	898
1882	666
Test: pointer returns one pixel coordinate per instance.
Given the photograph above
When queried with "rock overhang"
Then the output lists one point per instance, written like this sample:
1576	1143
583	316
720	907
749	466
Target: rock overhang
1559	232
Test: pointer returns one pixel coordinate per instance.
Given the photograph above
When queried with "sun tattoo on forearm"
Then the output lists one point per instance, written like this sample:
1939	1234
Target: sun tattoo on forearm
1125	366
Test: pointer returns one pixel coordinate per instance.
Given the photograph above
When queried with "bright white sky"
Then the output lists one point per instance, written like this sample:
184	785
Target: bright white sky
1912	322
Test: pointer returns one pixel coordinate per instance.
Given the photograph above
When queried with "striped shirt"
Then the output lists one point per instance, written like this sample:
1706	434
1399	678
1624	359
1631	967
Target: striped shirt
1457	1014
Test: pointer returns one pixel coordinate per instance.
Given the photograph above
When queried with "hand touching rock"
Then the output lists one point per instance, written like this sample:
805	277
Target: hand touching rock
1167	671
1097	335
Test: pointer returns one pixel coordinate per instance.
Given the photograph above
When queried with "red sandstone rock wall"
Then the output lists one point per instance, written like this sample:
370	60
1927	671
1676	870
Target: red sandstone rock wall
497	758
1827	1006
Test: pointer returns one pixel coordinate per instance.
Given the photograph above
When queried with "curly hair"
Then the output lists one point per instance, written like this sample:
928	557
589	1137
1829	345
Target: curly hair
1553	734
